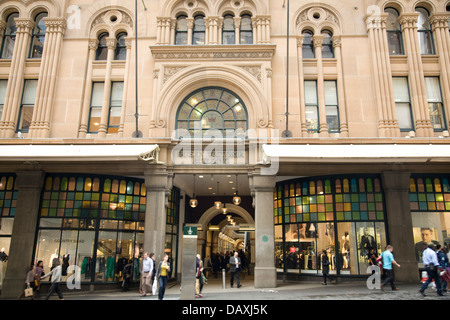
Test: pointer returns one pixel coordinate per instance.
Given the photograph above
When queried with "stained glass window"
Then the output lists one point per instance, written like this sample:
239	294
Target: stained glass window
429	193
212	108
93	197
8	196
321	200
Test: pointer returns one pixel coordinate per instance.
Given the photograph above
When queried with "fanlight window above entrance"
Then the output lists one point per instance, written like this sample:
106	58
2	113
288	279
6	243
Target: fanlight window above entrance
209	109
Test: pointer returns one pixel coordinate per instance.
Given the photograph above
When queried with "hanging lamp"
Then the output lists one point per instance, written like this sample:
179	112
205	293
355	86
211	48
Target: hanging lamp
194	202
236	198
218	203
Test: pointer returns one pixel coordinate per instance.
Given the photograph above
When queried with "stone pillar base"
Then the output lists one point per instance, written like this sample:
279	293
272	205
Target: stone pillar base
265	277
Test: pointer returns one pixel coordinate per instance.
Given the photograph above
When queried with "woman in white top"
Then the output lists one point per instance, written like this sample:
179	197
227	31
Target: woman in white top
56	279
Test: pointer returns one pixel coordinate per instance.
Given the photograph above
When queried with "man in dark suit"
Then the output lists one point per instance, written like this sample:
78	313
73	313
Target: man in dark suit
235	269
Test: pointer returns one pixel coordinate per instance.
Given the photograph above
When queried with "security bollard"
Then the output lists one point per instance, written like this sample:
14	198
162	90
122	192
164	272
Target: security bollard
223	278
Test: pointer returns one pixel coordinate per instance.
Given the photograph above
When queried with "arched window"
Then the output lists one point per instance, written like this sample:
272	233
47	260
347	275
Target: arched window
181	31
121	48
213	108
9	37
448	10
228	32
246	33
308	46
425	32
327	44
394	32
38	37
198	36
102	50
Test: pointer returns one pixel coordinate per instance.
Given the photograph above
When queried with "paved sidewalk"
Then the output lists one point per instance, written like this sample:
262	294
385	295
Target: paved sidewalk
303	290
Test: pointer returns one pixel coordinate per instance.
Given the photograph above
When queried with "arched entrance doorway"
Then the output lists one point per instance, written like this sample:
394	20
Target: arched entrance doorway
223	234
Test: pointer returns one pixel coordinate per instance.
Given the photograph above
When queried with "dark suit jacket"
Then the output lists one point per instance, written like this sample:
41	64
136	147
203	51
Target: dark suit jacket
233	264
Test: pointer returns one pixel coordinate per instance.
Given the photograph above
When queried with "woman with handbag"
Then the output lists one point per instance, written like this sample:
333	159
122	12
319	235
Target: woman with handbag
29	285
162	274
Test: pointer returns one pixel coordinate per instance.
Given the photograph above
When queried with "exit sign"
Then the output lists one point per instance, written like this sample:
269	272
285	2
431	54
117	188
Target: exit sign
190	232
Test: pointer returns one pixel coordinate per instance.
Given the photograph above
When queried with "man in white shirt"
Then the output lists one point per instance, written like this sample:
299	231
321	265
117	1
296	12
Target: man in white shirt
147	270
431	263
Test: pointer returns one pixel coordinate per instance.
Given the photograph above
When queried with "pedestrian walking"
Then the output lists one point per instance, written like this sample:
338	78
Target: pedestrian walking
127	274
235	269
388	261
39	272
325	267
430	260
162	276
443	263
56	279
146	275
29	282
198	277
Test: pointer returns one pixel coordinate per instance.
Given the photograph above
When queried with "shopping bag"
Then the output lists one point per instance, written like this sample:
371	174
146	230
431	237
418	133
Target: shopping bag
154	287
28	292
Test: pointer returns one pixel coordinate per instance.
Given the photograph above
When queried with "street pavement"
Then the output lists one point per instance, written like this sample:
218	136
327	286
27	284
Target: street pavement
289	290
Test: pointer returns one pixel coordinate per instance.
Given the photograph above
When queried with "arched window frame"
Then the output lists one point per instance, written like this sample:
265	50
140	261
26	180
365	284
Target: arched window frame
228	31
38	36
121	47
181	30
199	30
9	36
246	30
425	32
102	49
394	32
308	45
327	44
219	101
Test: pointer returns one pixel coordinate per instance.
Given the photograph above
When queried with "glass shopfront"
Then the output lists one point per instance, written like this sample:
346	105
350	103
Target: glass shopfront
8	201
95	223
430	210
171	244
342	217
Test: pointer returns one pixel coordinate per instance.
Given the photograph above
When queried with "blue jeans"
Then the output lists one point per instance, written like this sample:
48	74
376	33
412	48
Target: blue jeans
162	286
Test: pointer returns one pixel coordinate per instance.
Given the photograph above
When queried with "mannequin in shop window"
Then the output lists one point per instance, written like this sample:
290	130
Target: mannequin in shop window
346	250
65	264
53	256
367	242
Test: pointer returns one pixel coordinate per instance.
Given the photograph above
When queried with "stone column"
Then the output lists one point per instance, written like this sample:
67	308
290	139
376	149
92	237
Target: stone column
29	184
158	182
341	87
14	88
265	272
128	44
416	77
385	104
323	125
301	86
45	91
82	131
399	221
190	25
237	29
103	129
442	41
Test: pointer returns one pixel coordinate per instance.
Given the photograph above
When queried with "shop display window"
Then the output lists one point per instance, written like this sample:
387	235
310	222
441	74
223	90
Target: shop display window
95	223
8	202
343	216
430	210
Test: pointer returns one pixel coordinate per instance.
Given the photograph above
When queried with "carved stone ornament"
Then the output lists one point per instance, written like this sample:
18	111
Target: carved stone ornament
151	156
169	72
255	71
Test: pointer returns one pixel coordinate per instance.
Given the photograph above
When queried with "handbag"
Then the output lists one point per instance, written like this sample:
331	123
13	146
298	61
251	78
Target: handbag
28	292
